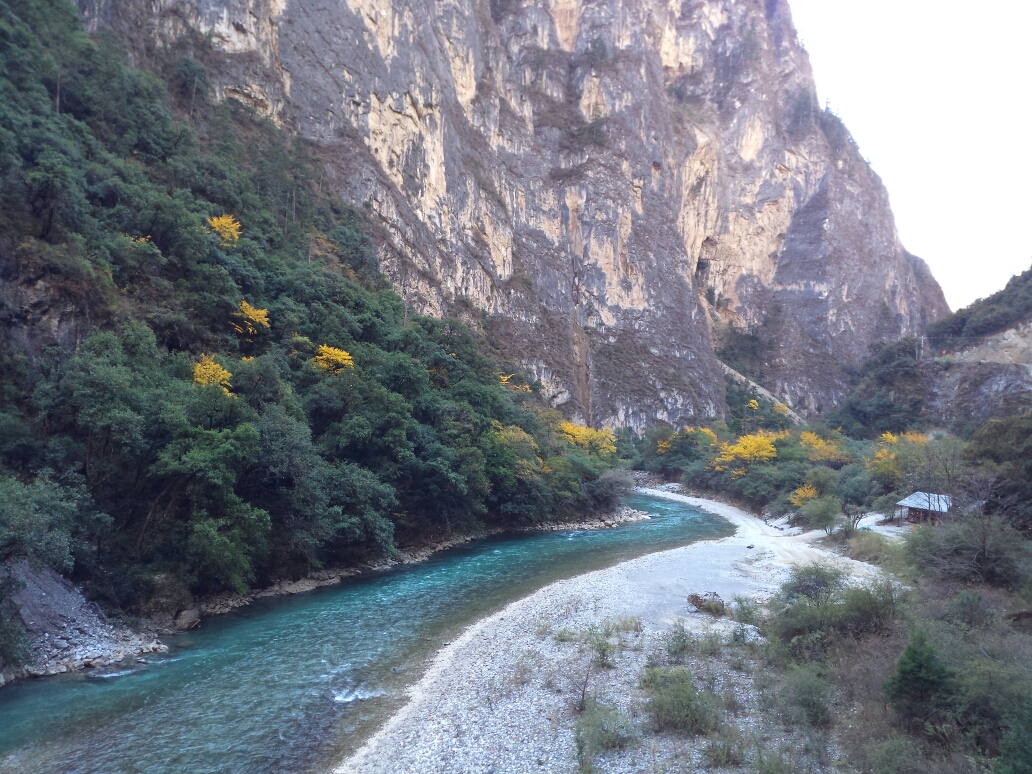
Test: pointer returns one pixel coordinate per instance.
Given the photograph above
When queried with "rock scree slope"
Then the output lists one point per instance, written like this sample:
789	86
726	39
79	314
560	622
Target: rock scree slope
614	184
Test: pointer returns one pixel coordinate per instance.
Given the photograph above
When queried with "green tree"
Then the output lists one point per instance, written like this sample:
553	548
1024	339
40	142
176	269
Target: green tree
1016	749
822	512
922	689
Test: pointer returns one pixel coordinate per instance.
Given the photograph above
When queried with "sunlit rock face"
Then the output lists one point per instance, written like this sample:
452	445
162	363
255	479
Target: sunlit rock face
614	183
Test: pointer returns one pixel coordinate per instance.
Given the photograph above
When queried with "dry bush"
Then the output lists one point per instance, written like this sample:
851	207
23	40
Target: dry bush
867	546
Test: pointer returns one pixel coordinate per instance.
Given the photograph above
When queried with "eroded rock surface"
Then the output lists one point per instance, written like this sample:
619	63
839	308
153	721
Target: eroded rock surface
614	182
990	379
65	632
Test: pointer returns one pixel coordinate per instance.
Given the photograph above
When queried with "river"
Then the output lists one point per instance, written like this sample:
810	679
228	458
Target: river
292	684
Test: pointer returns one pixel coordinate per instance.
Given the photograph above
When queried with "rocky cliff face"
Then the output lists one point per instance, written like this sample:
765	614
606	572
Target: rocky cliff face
988	380
614	182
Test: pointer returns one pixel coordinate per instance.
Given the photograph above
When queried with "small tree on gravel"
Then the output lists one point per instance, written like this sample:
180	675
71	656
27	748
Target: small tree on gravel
822	513
816	582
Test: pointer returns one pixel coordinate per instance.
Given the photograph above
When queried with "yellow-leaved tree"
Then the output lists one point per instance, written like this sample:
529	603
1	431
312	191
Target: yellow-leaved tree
702	436
332	359
822	449
707	436
507	381
749	449
208	373
600	442
803	494
227	227
249	319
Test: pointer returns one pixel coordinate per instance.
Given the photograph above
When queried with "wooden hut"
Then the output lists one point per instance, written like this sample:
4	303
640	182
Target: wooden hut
923	506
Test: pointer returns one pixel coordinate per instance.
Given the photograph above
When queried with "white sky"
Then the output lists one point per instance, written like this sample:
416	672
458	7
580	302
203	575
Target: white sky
938	96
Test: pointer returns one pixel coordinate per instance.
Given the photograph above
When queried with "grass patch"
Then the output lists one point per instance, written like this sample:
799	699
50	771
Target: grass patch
676	705
565	635
806	696
725	747
870	547
601	727
773	761
627	624
679	643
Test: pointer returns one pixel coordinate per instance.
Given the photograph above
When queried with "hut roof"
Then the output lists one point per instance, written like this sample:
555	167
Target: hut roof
927	502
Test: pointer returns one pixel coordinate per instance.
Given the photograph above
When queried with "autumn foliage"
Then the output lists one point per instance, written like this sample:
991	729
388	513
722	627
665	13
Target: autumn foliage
249	319
600	442
749	449
803	494
208	373
822	450
227	228
332	359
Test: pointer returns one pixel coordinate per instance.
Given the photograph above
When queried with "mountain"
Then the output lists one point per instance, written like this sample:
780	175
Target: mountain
611	189
973	366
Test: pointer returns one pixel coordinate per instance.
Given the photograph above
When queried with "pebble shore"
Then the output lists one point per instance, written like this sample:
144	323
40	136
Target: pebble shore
502	697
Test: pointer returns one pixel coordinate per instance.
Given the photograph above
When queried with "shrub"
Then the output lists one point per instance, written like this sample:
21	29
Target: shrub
816	582
678	642
806	695
601	727
869	608
978	547
809	627
971	609
725	747
676	705
922	689
898	755
603	493
745	611
1016	749
822	513
601	648
13	644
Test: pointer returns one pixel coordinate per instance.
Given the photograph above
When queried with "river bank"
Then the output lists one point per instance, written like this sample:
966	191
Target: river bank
502	696
225	603
68	634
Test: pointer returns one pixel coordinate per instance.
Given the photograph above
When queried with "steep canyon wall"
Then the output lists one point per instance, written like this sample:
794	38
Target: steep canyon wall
614	182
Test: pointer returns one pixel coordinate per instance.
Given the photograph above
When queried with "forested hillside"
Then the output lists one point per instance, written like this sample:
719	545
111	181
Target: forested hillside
985	316
925	667
243	396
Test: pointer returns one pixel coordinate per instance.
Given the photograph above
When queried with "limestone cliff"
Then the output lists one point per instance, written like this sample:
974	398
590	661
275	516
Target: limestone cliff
614	182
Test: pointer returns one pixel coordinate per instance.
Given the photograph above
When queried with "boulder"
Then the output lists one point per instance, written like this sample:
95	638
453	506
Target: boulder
188	619
709	602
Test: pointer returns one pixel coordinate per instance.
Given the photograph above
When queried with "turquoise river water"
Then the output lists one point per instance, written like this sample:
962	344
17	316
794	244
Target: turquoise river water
292	684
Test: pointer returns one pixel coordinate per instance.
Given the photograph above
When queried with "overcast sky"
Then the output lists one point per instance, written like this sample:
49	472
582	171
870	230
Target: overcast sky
937	94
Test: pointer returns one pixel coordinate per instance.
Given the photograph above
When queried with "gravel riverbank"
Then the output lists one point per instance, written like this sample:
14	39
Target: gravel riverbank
502	697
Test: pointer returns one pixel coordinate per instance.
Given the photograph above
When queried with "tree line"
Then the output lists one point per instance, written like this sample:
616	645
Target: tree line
247	397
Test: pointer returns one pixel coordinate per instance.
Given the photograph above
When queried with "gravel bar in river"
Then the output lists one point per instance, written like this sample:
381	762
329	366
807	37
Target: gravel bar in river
501	697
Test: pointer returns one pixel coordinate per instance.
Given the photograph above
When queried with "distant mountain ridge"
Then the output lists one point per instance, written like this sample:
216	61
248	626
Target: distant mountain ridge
994	314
